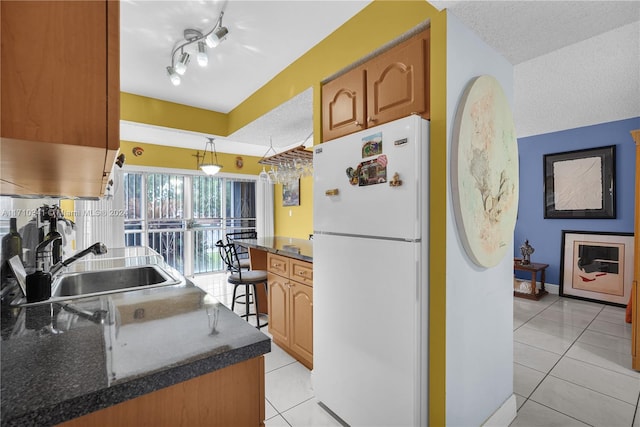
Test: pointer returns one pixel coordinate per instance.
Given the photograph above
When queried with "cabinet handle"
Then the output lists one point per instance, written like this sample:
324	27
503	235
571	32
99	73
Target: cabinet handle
357	123
371	120
332	192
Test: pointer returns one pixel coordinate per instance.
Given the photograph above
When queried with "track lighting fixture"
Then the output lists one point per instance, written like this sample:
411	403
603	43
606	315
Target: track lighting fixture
209	39
210	167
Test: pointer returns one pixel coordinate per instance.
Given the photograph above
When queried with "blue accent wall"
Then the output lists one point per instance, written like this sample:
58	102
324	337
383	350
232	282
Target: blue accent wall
545	235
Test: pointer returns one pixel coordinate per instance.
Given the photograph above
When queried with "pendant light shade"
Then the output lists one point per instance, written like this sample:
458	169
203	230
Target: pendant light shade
210	169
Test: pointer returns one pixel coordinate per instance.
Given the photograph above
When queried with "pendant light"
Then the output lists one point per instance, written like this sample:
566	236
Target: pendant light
211	167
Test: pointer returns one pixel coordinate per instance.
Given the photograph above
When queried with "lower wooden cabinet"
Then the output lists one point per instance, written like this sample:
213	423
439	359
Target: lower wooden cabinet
291	306
233	396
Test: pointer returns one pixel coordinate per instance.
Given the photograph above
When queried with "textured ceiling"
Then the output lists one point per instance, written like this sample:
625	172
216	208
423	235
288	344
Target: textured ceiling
266	36
523	30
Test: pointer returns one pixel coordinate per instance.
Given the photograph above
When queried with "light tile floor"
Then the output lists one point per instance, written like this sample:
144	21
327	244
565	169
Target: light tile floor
572	364
572	367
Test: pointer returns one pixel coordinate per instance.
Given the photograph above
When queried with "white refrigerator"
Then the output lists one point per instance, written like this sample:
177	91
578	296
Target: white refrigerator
370	287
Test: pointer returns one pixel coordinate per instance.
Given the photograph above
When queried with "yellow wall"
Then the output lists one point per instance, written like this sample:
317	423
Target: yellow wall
380	22
140	109
294	221
184	158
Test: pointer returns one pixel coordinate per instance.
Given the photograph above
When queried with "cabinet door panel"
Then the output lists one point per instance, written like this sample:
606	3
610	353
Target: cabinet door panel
343	104
396	82
302	320
54	78
278	307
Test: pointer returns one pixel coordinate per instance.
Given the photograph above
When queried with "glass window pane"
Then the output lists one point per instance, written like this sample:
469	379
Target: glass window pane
170	244
206	255
207	197
133	195
165	196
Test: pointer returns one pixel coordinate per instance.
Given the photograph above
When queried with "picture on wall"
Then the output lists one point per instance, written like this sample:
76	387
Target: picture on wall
580	184
597	266
291	193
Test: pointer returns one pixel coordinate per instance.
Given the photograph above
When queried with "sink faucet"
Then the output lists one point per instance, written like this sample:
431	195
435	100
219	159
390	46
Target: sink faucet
40	249
96	249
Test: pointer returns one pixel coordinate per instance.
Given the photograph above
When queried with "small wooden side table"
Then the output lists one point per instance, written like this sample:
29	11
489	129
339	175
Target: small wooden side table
533	267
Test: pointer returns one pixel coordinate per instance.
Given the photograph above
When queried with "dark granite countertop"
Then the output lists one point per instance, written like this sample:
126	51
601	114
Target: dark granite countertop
286	246
63	360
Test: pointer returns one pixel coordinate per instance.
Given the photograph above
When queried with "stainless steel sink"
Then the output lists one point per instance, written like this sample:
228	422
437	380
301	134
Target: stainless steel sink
111	280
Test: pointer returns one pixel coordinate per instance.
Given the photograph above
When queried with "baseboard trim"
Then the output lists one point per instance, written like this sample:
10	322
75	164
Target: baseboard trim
552	289
504	415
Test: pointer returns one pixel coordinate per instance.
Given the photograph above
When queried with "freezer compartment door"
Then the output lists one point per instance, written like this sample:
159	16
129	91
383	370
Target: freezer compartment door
361	205
367	330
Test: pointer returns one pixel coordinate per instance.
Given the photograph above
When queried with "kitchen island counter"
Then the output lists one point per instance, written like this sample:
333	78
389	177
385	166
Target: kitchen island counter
286	246
64	360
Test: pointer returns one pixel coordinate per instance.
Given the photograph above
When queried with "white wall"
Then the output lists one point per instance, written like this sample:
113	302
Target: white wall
479	308
550	90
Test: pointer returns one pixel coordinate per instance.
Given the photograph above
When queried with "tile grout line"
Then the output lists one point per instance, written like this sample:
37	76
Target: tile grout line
558	361
278	413
635	414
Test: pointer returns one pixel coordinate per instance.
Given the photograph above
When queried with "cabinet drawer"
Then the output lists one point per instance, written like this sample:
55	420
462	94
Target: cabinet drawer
278	264
302	272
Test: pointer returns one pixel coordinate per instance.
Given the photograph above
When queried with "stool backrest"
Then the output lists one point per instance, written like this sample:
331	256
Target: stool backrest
241	251
229	256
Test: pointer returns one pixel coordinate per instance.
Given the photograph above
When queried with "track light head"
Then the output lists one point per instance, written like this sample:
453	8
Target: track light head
173	76
203	58
181	66
216	37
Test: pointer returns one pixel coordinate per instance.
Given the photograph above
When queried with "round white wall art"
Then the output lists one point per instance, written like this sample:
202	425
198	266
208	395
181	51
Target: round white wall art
485	172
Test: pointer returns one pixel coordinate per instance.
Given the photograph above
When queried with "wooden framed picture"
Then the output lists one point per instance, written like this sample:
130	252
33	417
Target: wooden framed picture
580	184
291	193
597	266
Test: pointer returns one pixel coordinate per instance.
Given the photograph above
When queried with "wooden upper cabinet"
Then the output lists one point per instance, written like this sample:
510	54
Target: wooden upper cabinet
60	67
387	87
343	104
396	82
